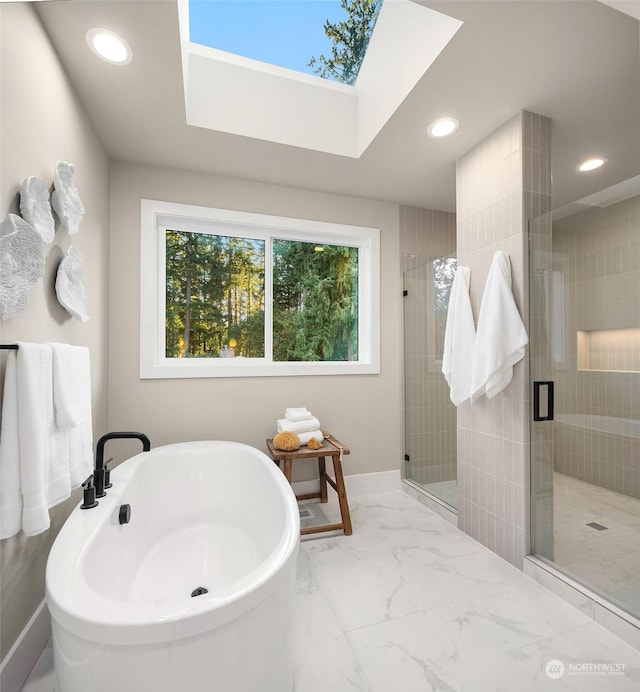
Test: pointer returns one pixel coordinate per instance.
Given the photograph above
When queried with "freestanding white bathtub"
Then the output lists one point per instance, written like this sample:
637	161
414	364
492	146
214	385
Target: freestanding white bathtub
218	515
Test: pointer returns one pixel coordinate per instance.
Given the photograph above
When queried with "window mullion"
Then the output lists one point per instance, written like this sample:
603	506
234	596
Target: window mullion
268	300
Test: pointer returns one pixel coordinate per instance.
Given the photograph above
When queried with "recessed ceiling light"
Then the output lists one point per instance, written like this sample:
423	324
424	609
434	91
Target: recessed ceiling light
109	46
591	164
443	127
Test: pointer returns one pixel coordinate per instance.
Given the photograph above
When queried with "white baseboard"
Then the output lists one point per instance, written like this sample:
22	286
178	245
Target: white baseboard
357	484
23	655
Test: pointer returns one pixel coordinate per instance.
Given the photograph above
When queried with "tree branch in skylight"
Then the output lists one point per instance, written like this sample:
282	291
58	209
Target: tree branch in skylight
350	39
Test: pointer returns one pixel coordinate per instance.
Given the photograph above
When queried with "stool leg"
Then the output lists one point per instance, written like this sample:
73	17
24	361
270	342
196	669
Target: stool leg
288	465
322	472
342	496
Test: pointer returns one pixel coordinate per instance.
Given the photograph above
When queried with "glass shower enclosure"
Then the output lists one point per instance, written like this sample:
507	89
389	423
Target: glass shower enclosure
585	339
430	417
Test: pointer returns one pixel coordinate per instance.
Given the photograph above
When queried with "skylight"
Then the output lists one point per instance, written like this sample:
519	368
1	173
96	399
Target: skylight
246	96
289	34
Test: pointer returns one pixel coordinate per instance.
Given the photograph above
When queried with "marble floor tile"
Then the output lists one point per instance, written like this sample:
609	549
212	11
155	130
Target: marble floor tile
381	571
324	658
409	603
442	650
590	662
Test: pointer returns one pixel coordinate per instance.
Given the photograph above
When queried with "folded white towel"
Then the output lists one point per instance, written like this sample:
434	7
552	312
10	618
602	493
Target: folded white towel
72	405
298	427
80	445
501	336
306	436
43	478
71	385
39	463
459	339
10	491
296	409
297	414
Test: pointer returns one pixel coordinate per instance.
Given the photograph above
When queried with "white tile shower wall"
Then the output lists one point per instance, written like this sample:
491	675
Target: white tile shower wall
425	234
500	184
596	255
602	459
431	422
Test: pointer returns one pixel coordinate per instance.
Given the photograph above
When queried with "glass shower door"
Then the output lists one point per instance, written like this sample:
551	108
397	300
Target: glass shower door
430	417
585	338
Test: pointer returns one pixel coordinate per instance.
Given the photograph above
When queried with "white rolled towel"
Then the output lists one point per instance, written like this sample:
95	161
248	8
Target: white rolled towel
297	414
306	436
298	427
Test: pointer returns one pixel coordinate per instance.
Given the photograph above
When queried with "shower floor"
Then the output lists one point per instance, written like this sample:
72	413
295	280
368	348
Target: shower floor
608	560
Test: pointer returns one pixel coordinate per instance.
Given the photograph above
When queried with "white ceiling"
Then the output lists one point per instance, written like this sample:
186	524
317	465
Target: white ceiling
576	61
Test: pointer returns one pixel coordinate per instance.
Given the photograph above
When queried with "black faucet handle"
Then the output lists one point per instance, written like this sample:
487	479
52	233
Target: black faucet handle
98	481
89	500
107	474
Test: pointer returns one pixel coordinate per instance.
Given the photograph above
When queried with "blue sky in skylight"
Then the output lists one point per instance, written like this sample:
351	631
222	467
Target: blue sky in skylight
280	32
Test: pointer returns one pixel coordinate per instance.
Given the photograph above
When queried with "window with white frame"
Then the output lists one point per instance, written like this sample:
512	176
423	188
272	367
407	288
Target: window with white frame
232	294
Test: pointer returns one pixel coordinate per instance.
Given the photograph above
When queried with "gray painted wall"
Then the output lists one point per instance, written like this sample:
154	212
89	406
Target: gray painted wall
42	122
364	411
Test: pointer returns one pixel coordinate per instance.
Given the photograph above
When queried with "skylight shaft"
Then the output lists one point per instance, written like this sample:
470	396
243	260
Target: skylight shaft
327	38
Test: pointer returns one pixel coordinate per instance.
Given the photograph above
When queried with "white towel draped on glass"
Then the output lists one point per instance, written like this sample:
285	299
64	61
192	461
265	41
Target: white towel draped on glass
459	338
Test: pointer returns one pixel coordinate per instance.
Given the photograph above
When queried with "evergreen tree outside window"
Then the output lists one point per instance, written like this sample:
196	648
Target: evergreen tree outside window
315	302
214	296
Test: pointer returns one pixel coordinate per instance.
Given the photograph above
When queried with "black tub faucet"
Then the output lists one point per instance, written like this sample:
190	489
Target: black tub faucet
99	472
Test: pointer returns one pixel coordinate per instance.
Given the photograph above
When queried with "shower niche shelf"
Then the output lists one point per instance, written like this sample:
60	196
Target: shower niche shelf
609	350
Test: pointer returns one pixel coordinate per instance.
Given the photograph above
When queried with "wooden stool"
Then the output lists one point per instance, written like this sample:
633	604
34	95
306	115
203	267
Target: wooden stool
330	448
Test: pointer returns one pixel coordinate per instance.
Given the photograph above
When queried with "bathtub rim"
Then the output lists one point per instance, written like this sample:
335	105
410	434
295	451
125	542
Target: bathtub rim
67	604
